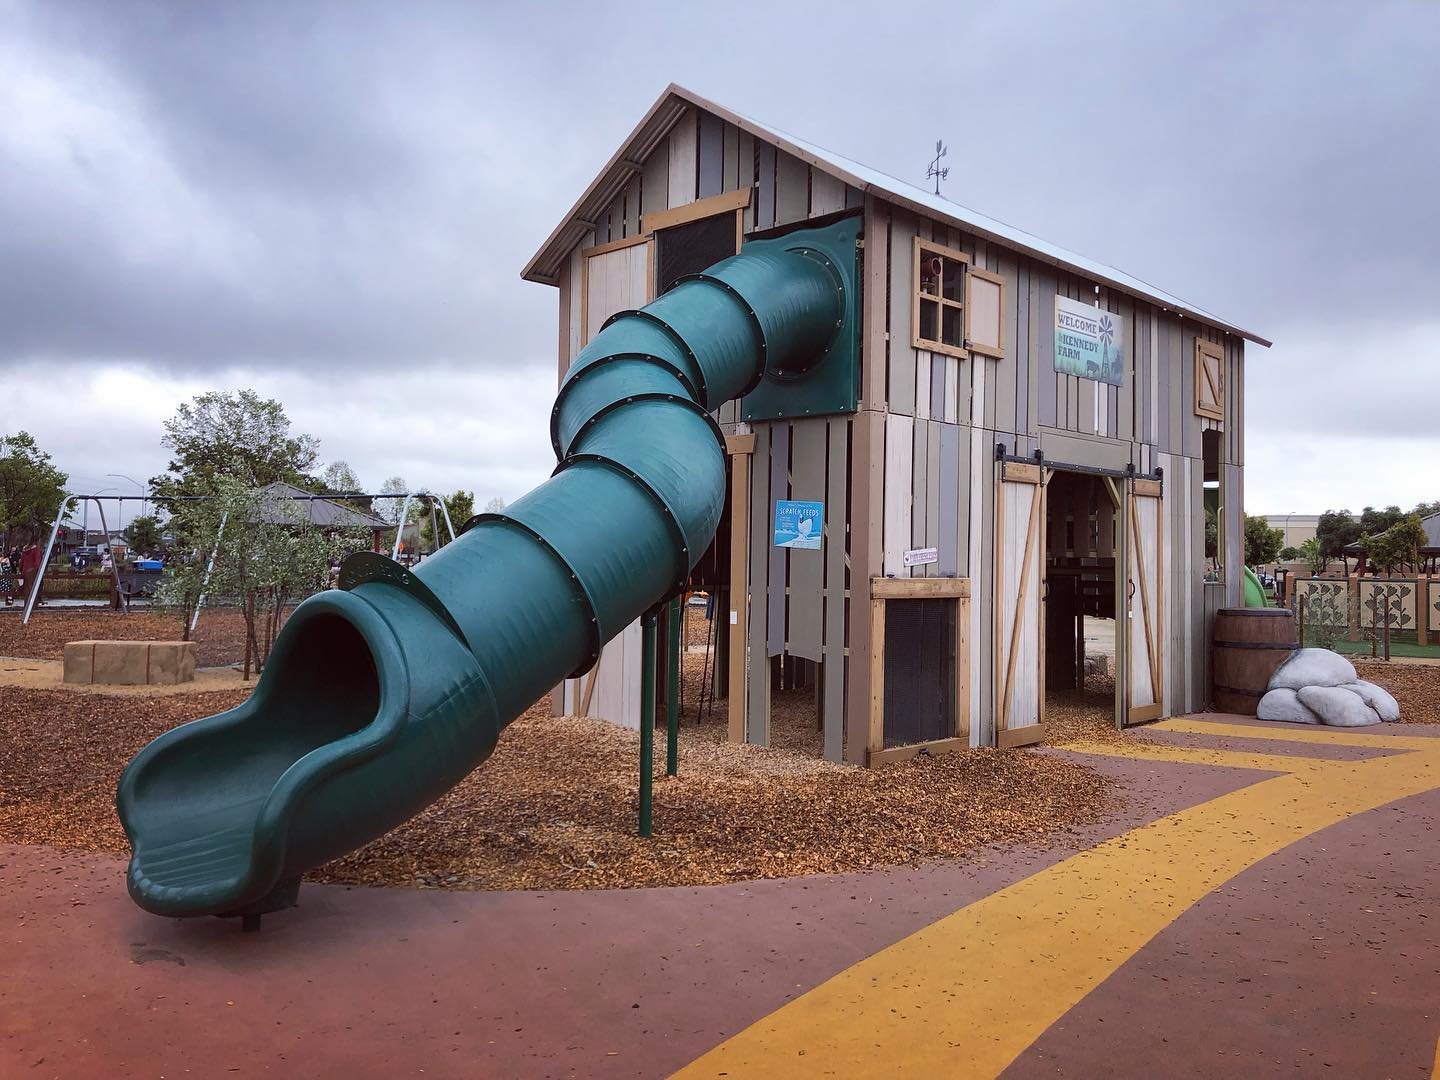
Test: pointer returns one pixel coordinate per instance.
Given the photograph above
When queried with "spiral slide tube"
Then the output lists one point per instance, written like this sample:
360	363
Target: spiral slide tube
382	695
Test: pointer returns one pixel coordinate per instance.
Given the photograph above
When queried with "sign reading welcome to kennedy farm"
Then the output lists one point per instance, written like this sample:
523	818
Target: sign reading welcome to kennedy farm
1089	341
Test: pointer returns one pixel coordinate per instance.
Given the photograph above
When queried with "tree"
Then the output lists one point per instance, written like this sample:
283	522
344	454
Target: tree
1336	531
339	479
1397	547
268	557
460	505
143	534
389	509
1289	554
1424	509
495	505
30	486
239	436
1374	522
1314	555
1262	543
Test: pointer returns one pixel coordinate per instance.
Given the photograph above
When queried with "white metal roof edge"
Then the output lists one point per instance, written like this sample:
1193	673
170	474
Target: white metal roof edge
871	181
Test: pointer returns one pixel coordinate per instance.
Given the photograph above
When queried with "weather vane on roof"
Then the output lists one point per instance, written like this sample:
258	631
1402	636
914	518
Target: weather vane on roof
934	170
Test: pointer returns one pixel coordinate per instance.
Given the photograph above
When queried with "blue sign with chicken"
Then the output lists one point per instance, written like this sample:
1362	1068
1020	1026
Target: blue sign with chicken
799	524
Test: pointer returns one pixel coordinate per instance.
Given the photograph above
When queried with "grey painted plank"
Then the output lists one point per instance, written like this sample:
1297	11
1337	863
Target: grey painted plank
730	165
962	502
711	165
765	180
779	489
632	207
853	197
745	172
1020	346
809	447
757	704
1177	374
1189	421
1162	376
934	526
938	366
655	180
919	466
837	517
792	189
901	389
1003	369
947	507
1042	298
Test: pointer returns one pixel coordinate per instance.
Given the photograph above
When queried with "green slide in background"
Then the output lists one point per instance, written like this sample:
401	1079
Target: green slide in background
382	695
1254	591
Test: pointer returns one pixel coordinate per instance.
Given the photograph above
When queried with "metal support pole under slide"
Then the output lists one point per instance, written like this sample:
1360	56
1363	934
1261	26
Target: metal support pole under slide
672	690
647	719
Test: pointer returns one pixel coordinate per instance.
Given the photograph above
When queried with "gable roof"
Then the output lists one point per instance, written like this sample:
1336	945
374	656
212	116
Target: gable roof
324	513
544	266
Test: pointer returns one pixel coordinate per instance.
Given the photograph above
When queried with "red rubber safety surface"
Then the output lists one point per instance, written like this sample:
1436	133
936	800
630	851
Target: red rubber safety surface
385	982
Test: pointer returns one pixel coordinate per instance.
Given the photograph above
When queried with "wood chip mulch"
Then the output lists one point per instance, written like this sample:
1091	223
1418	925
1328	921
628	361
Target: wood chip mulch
1415	686
219	637
555	807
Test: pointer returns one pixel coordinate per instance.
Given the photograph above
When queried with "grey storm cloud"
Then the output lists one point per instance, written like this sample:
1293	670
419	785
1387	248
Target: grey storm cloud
329	187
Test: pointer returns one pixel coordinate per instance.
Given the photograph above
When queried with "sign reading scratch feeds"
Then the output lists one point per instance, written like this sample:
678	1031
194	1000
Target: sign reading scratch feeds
1089	342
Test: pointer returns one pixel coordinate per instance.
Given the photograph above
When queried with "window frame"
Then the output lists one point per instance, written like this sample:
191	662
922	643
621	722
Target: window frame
920	245
885	589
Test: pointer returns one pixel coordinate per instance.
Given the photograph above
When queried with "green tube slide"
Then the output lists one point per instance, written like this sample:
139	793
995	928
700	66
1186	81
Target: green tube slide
383	694
1254	591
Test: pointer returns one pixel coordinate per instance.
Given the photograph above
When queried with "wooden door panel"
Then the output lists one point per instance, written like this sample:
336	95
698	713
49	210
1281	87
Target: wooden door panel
1145	603
1019	685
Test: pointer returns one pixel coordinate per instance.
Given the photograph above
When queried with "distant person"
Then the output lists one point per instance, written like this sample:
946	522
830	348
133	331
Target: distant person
30	560
7	580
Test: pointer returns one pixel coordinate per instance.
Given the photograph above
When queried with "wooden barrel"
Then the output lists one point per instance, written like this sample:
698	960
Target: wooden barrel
1250	643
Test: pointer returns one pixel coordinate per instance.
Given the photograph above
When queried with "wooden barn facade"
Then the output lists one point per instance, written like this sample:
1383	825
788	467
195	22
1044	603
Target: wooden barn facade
1039	443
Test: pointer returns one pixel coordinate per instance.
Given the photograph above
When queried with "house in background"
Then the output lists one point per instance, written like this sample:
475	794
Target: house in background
1036	439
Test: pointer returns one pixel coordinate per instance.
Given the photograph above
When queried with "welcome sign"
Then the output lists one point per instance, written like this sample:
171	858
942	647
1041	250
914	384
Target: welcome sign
1089	342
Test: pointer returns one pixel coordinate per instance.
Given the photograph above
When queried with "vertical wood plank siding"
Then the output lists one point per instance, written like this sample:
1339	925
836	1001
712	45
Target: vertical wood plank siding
805	593
915	466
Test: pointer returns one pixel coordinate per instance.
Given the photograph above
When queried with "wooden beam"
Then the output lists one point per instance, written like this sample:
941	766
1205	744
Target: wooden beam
614	245
875	740
916	588
1021	736
913	750
728	202
739	613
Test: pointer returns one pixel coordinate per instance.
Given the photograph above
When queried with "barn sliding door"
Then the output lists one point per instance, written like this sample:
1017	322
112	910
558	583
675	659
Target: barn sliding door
1019	613
1144	606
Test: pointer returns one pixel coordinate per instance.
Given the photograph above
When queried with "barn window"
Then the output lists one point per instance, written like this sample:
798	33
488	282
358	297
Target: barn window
938	317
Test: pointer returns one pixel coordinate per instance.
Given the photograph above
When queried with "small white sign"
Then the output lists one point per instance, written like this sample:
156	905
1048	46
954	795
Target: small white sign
734	618
921	556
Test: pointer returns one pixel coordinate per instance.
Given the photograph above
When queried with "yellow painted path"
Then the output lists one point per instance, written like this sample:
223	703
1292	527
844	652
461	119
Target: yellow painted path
966	995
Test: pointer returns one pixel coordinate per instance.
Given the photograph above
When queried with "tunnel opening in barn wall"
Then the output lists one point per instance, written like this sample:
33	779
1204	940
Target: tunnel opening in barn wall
1081	529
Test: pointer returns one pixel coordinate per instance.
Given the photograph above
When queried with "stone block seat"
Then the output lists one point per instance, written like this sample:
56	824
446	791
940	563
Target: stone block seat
130	663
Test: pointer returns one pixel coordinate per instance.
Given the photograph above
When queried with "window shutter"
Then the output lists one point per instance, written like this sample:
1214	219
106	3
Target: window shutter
984	309
1209	380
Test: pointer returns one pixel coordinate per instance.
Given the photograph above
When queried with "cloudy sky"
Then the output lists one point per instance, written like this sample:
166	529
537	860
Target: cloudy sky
331	202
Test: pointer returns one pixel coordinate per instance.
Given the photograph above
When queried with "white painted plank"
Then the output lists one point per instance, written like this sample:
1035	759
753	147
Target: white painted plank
682	161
